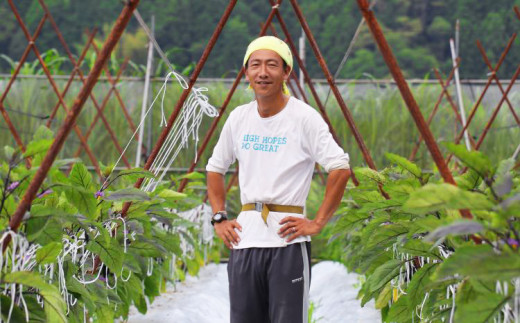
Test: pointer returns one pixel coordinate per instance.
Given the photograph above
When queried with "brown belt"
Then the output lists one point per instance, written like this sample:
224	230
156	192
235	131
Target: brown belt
266	208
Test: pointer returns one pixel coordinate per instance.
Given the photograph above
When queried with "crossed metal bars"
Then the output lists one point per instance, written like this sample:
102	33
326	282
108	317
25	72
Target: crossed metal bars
72	114
47	16
119	28
491	78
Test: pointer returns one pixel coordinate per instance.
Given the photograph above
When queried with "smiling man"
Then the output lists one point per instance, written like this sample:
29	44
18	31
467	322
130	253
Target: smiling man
277	140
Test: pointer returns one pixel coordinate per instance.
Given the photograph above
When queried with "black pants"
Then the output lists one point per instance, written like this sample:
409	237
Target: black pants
270	285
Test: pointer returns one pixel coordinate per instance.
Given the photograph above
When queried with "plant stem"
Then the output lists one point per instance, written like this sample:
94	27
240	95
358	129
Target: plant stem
515	233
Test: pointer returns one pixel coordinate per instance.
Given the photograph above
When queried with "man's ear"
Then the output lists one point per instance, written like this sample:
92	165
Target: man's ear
287	73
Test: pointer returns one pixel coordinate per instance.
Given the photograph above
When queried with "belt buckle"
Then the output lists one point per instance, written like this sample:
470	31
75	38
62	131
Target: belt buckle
259	206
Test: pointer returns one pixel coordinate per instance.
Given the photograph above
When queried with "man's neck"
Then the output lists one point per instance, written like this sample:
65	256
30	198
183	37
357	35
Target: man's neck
269	106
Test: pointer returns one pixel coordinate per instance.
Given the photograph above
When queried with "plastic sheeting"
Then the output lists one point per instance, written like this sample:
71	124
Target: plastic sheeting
205	299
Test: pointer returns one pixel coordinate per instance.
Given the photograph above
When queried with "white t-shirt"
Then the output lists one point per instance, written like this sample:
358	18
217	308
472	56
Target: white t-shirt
276	157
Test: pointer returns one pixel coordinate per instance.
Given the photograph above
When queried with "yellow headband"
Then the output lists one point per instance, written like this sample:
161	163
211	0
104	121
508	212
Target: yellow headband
275	44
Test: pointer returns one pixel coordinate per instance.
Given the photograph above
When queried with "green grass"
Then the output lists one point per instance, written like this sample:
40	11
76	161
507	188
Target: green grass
380	116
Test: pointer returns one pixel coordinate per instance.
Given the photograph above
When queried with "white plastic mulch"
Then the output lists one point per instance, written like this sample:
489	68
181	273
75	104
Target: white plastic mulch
205	299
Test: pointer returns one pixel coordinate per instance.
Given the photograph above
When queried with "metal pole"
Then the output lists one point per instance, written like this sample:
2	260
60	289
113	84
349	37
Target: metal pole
459	94
346	113
301	52
185	93
486	87
346	56
497	80
144	105
224	106
408	98
457	38
517	151
70	120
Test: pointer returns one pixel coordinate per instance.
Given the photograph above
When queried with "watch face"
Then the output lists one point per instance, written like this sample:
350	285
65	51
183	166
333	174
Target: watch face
217	217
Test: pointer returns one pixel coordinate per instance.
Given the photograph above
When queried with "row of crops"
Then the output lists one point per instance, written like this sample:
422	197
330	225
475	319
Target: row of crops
422	261
76	257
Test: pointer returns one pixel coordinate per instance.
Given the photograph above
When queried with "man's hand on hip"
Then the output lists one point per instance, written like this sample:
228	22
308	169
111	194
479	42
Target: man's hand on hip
226	231
296	227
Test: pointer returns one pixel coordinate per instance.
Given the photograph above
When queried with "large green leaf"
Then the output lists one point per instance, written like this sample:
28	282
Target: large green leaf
384	297
127	194
172	194
17	314
473	159
469	180
434	197
152	284
80	177
480	310
144	248
503	182
79	193
8	152
44	230
386	234
417	286
54	304
136	173
404	164
135	290
104	314
193	175
480	262
416	247
401	311
461	227
37	147
48	253
370	174
43	132
383	274
110	253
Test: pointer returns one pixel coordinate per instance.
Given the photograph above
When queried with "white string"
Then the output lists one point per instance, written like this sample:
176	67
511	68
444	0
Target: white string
196	100
187	124
129	275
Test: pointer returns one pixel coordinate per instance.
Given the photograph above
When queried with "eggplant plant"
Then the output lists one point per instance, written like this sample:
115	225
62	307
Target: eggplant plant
75	257
422	261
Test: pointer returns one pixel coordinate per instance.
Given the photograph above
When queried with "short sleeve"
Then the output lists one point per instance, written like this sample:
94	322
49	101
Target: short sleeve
323	147
223	153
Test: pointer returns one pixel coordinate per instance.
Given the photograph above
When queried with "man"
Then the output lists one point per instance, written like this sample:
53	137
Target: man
277	140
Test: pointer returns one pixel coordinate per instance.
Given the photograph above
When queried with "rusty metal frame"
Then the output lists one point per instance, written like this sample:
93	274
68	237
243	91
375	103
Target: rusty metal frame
407	95
308	81
453	105
53	84
73	113
22	60
484	91
69	123
77	68
113	83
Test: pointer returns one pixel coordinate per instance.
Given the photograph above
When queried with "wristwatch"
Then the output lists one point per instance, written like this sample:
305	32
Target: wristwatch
218	217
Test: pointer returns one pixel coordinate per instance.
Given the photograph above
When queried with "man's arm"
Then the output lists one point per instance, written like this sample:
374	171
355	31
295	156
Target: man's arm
336	183
217	198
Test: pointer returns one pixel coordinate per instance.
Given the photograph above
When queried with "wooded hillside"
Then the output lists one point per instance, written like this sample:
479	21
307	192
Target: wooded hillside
418	30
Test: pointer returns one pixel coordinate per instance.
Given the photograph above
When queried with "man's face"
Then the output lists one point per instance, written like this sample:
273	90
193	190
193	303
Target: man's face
265	72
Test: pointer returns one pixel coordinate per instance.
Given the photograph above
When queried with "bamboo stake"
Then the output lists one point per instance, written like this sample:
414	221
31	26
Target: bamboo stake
459	94
146	90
